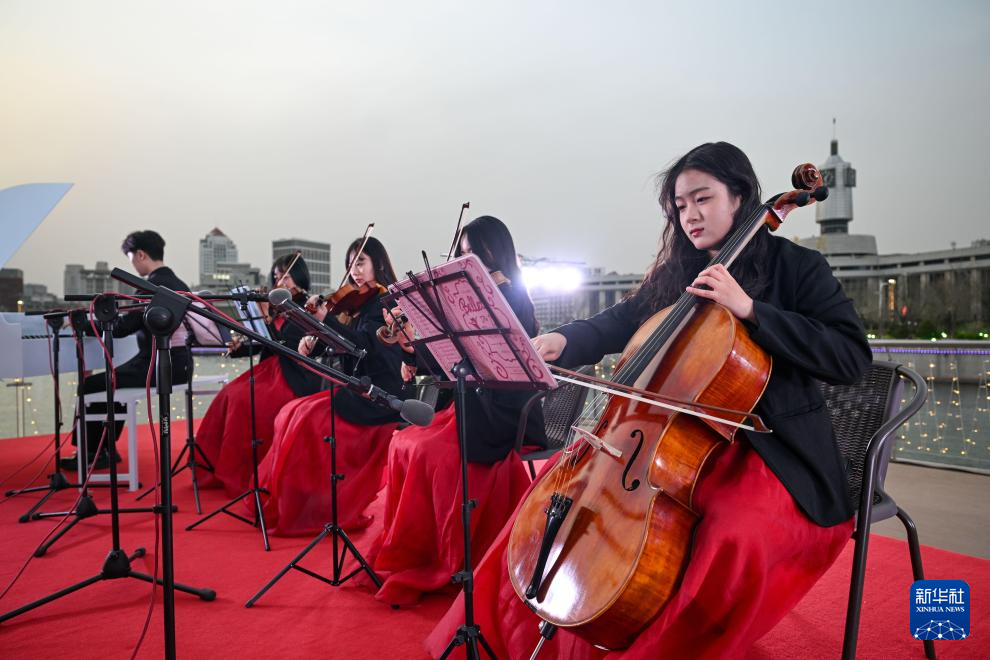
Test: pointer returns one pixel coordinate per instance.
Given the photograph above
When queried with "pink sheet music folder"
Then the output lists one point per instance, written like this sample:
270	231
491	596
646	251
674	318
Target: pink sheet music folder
490	354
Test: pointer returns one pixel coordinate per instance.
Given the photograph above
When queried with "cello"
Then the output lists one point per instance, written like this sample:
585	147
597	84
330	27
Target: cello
602	539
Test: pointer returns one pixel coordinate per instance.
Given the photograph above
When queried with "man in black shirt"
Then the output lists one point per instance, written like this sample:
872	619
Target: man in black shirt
146	251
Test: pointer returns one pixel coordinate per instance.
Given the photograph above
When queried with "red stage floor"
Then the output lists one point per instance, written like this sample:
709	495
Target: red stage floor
302	617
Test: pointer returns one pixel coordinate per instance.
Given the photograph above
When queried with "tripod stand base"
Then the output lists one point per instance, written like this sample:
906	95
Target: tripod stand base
259	516
470	636
86	508
117	565
338	534
56	482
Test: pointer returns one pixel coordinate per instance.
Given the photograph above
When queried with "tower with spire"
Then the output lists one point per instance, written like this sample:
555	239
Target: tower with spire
835	213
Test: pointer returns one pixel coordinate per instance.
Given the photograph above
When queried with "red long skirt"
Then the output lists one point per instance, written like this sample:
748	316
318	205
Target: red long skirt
755	555
296	472
225	433
422	545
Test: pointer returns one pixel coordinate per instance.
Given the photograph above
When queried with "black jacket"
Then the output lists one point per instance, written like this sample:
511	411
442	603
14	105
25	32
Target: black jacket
382	365
808	325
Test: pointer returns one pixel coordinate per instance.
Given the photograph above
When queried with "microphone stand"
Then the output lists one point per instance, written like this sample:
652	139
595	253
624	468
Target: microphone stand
118	564
164	314
331	529
106	312
256	490
190	449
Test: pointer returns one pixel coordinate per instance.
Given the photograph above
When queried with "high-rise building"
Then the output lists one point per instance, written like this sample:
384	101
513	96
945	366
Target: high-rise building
81	280
215	248
317	256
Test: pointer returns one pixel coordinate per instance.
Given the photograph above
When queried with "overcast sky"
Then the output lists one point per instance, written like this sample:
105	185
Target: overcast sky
310	119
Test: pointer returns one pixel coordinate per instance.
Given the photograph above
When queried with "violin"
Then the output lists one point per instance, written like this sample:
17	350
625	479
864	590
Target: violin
348	299
602	539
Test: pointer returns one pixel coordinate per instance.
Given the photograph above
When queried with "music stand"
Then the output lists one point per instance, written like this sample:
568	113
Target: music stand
472	332
56	480
251	316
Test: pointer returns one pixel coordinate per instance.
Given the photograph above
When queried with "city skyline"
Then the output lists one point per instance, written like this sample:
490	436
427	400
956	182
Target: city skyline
311	120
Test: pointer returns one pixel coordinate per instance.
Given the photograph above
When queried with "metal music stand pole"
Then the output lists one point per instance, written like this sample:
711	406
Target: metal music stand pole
56	480
256	490
468	634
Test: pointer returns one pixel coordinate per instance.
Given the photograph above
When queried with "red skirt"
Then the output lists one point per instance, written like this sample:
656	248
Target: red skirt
422	545
296	472
755	555
225	433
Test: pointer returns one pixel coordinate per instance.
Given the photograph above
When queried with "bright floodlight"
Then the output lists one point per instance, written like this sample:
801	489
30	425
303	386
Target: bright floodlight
557	279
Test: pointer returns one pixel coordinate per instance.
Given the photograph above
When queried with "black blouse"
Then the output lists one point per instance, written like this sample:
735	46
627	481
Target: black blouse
381	364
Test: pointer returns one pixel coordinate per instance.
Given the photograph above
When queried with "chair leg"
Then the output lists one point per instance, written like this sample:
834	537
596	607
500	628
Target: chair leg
853	609
532	470
917	568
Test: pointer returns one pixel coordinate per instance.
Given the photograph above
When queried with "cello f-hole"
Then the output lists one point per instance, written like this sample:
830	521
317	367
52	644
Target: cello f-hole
632	459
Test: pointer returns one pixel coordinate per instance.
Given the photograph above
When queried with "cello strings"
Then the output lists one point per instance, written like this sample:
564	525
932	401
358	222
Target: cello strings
631	370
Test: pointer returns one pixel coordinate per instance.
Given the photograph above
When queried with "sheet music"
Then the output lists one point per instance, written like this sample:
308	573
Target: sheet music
465	310
254	320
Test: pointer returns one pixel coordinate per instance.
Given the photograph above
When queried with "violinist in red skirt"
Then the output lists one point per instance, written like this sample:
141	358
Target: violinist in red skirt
224	435
421	546
296	472
775	511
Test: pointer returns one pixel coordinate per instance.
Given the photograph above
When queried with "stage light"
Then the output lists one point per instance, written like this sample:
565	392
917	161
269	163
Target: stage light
555	279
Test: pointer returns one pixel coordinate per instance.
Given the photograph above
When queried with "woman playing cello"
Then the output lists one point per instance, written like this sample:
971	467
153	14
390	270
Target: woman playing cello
773	508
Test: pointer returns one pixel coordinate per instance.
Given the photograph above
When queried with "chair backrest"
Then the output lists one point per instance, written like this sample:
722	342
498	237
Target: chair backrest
858	411
561	408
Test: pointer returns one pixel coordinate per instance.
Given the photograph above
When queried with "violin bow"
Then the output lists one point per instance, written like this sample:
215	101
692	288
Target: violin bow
692	408
285	274
457	232
357	255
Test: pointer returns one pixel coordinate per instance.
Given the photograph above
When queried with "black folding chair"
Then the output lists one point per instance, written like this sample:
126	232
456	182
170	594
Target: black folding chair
561	408
866	417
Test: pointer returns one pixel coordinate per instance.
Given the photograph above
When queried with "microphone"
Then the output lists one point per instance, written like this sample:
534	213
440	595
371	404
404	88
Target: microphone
282	299
413	411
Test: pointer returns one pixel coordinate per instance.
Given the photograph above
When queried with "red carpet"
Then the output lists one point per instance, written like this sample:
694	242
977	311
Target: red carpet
302	617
